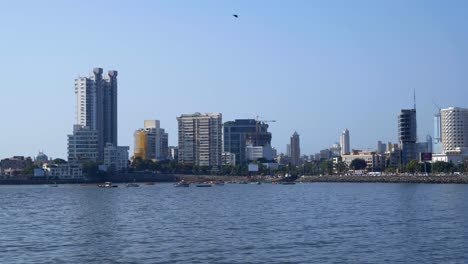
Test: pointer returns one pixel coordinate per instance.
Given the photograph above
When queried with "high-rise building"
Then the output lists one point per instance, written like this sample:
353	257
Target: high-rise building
381	147
288	150
242	132
295	150
429	143
173	153
83	145
407	135
454	122
200	139
344	142
437	142
96	97
151	142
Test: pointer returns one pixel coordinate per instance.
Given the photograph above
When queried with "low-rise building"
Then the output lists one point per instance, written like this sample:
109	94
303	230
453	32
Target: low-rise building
228	158
253	153
374	161
116	157
63	171
83	145
14	165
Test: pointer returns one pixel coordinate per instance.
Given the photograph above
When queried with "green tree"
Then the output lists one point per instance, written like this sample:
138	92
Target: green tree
327	167
29	170
413	166
59	161
341	167
358	164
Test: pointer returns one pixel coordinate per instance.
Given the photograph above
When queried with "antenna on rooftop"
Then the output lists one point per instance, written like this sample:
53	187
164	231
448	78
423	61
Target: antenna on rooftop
414	98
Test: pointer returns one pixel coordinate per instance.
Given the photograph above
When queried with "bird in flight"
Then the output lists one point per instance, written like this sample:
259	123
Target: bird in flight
236	16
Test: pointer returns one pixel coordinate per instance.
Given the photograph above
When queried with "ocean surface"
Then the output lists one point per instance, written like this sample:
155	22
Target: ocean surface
303	223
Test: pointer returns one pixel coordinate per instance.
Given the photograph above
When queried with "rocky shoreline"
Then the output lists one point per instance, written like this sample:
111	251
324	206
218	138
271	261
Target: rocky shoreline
148	177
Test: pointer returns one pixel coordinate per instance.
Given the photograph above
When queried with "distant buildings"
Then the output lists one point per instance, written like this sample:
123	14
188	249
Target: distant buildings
228	159
295	150
407	135
253	153
200	139
240	133
437	142
151	142
344	142
14	165
173	153
381	147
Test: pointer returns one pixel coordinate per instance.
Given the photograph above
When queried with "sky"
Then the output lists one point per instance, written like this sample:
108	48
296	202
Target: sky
316	67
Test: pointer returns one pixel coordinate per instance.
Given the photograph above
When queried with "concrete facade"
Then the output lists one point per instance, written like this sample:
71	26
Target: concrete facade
407	135
200	139
116	157
83	145
96	102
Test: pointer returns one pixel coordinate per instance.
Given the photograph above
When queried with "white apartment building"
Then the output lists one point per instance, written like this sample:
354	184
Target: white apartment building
200	139
253	153
344	142
63	171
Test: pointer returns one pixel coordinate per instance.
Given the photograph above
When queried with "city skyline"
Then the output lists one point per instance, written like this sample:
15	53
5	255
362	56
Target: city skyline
317	89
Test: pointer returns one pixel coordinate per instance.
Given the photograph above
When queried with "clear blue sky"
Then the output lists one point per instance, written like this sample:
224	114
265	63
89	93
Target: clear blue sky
317	67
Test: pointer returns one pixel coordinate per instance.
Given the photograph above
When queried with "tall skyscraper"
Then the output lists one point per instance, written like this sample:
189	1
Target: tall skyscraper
381	147
437	142
97	106
344	142
407	135
151	142
200	139
242	132
295	150
454	122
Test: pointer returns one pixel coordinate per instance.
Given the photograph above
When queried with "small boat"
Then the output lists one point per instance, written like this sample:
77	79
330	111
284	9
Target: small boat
107	185
287	183
242	182
132	185
256	183
203	185
148	183
181	184
219	184
53	185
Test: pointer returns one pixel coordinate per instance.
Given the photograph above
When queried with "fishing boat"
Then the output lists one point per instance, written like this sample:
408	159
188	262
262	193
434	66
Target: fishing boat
107	185
203	185
287	183
181	184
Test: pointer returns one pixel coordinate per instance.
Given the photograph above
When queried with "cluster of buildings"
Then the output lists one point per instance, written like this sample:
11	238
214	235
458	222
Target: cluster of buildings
204	140
450	143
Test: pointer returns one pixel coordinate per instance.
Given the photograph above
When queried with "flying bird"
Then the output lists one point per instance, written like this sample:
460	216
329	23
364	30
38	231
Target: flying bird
236	16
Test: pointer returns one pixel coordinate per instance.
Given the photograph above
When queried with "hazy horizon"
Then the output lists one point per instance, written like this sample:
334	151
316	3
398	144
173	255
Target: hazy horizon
315	67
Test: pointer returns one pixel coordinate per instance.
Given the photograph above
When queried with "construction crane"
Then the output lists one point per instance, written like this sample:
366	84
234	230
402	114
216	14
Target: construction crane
257	127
